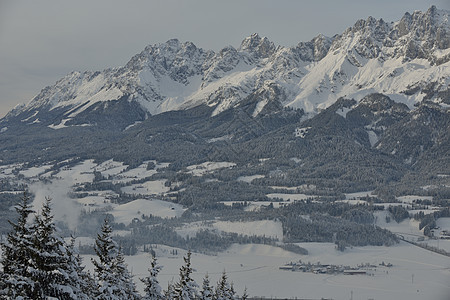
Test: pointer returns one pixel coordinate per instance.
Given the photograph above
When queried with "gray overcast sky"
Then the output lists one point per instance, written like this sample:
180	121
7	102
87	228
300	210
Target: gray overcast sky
41	41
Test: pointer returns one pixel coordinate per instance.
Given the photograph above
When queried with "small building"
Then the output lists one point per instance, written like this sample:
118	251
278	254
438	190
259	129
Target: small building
287	268
355	272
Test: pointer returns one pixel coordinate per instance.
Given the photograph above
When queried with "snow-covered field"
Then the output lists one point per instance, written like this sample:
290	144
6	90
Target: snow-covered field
250	178
408	228
125	213
266	228
416	273
110	167
208	167
358	195
155	187
34	171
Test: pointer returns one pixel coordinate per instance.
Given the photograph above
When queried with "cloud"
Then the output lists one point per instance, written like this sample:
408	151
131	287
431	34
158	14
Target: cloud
64	209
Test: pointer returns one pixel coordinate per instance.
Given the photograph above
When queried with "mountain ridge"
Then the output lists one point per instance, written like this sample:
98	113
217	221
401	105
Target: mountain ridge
407	60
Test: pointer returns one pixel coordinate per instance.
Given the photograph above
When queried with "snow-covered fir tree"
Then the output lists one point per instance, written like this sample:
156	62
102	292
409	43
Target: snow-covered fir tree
207	291
16	253
152	288
114	280
126	283
233	292
245	294
52	268
80	279
186	288
224	291
170	292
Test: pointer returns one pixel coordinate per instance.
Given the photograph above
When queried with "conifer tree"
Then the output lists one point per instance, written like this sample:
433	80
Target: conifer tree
245	294
51	264
16	254
224	291
152	288
186	288
125	282
114	280
106	250
170	293
207	291
82	281
233	292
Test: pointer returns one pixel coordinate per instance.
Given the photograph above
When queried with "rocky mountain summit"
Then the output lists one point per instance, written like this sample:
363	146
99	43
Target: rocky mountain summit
407	61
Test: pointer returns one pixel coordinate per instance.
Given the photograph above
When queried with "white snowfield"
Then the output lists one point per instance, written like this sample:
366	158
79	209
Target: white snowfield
125	213
267	228
416	274
151	187
250	178
208	167
63	182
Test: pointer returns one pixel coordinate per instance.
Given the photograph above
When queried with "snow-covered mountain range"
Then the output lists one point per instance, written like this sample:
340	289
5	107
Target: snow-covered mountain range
408	60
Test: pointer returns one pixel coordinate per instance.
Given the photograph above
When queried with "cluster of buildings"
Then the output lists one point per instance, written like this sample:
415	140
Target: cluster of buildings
318	268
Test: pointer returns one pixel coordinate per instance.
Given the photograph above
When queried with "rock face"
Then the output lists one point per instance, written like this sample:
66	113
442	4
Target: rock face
407	60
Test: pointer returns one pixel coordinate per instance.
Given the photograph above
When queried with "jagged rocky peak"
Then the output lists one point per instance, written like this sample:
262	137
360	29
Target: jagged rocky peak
219	63
423	25
226	51
321	46
416	35
261	47
364	37
314	50
166	54
424	32
376	29
177	60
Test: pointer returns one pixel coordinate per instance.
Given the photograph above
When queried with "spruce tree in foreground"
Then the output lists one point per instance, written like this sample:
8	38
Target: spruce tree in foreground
207	291
17	253
81	280
52	268
186	288
106	250
152	288
114	280
245	294
170	292
224	291
125	283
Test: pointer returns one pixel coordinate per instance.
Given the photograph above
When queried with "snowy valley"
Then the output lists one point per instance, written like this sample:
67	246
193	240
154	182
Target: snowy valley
275	164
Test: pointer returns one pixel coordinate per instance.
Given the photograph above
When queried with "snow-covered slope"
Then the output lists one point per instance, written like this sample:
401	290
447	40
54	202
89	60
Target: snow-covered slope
408	60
